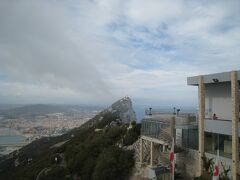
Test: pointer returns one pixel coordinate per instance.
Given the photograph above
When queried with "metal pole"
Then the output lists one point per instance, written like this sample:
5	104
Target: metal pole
173	160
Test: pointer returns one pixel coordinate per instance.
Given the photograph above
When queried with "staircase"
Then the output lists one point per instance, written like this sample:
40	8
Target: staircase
160	158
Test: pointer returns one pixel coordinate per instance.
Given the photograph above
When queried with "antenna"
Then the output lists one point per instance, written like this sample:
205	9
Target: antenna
174	111
178	110
150	111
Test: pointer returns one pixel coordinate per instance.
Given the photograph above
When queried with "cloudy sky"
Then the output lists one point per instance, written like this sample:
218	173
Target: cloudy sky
96	51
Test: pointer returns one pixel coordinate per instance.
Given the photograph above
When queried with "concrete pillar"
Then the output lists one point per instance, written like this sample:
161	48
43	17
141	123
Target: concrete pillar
141	151
164	148
151	154
235	119
201	101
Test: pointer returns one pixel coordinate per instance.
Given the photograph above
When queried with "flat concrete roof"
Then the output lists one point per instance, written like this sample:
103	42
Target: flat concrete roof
212	78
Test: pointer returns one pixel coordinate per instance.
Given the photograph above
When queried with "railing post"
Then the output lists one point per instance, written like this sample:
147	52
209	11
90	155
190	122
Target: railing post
141	150
151	155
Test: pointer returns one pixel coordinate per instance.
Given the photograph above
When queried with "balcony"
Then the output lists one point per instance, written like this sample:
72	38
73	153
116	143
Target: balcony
218	126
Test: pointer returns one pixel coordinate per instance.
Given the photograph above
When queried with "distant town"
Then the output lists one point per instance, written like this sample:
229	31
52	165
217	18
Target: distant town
18	128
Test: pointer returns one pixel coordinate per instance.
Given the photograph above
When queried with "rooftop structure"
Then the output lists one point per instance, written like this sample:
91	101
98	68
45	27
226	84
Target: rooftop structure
218	117
212	78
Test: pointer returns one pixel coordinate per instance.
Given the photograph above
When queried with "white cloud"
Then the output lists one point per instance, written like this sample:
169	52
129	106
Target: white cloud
152	11
98	51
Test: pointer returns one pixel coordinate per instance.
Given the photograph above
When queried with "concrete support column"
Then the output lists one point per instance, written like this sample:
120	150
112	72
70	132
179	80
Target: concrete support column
235	119
151	154
201	100
141	151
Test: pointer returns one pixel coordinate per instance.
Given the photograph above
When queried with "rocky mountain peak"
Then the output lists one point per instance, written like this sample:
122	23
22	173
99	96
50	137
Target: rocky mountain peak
125	109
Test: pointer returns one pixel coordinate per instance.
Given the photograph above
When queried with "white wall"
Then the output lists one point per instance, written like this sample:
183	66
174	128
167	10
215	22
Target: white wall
219	127
218	100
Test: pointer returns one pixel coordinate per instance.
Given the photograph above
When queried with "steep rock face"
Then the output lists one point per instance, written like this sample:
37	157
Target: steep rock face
122	108
125	110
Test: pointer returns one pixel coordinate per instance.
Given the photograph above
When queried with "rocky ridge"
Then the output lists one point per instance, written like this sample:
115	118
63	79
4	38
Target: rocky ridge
124	108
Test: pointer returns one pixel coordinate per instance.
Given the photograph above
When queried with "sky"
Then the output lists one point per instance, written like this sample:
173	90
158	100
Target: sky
97	51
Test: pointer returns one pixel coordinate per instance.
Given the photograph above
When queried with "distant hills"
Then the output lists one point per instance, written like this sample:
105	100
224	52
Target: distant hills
30	111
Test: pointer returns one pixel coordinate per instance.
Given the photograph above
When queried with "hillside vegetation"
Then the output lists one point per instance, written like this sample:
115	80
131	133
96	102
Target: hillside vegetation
96	150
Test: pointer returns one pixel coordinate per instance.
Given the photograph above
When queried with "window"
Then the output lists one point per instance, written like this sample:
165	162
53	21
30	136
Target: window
213	142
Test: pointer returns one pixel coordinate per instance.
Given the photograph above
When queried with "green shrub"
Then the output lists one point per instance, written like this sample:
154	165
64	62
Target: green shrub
114	163
56	173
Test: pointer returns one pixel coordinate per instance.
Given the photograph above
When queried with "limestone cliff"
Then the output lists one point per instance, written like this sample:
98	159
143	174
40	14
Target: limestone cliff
125	110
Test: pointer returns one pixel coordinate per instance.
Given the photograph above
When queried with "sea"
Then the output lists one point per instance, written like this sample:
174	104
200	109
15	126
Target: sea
9	136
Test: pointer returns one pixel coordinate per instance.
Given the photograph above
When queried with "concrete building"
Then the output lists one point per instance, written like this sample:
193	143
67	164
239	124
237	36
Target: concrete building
213	127
218	118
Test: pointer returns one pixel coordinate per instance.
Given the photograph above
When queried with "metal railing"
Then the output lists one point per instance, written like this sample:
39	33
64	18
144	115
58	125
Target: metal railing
218	119
162	134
